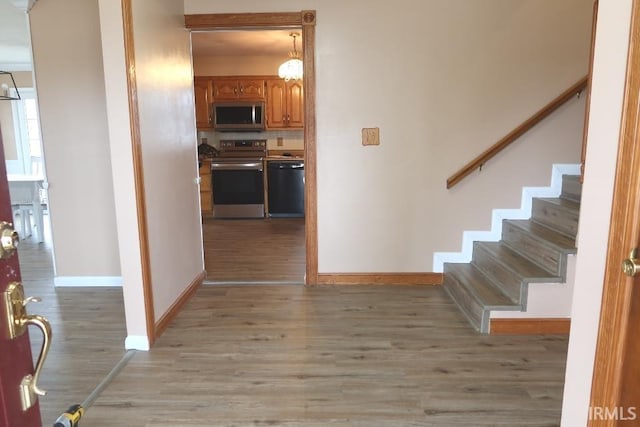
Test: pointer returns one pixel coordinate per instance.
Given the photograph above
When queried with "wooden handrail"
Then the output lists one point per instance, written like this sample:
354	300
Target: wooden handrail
517	132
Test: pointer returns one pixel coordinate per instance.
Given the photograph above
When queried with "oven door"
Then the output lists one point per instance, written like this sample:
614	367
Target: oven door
238	189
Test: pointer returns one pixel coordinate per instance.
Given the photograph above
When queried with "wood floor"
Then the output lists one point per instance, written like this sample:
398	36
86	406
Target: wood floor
88	331
254	250
295	356
369	356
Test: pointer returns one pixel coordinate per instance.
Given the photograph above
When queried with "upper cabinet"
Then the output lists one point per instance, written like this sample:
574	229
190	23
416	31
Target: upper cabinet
284	101
285	104
203	93
234	88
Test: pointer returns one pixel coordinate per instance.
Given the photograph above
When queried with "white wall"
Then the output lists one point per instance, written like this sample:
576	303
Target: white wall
167	125
443	79
71	95
612	39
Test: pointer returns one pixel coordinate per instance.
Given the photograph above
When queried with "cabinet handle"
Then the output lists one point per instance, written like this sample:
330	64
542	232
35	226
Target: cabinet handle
288	119
235	90
284	119
241	90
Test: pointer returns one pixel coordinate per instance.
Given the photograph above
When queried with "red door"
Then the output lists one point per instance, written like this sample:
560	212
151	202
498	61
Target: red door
15	354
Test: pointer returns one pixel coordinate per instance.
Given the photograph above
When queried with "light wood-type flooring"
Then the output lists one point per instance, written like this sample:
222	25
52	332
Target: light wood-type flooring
88	331
254	250
294	356
365	356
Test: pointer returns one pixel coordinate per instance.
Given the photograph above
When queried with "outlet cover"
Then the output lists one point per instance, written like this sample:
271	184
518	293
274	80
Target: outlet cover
370	136
280	141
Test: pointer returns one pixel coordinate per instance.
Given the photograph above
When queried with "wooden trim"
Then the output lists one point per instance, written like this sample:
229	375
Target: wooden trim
176	307
585	130
305	19
610	362
517	132
533	326
138	170
380	278
243	20
310	165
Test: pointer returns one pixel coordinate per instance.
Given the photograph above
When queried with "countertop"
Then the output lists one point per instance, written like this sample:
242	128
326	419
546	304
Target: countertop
293	158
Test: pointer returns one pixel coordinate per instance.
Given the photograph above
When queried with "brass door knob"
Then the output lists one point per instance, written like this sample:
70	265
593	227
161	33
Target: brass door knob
9	240
631	265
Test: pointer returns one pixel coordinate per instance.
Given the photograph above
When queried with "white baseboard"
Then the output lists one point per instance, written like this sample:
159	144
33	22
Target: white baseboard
87	281
136	342
494	235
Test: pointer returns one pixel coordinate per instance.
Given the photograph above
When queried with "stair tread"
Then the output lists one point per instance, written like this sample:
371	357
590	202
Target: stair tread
565	203
551	237
482	289
527	270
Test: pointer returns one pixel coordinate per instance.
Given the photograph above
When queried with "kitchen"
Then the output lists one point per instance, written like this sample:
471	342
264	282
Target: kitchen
251	154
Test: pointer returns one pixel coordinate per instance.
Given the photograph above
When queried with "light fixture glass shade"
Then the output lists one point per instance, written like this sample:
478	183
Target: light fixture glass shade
291	70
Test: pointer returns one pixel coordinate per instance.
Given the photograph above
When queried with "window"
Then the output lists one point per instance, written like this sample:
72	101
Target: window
27	136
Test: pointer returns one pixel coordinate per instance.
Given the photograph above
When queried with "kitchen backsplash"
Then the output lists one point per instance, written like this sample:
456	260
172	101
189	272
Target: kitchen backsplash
291	140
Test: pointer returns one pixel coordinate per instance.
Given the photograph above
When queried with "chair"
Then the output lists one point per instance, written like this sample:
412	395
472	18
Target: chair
25	203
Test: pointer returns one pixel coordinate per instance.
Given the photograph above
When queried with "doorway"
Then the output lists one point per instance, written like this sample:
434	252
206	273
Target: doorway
286	250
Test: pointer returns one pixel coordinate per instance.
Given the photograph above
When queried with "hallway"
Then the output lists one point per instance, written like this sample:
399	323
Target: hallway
293	356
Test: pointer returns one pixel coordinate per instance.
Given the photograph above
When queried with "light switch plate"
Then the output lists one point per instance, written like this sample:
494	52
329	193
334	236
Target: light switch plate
370	136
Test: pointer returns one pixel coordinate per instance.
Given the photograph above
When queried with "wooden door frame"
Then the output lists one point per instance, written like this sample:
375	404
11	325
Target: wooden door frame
138	170
624	235
305	20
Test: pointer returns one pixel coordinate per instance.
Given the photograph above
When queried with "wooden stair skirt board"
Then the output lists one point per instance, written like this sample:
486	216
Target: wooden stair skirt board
531	250
530	326
380	278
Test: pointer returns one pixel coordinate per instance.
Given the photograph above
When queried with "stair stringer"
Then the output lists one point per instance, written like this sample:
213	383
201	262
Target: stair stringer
498	215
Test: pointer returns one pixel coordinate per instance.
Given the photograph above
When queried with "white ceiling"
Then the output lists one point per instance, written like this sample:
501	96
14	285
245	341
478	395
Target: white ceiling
15	51
244	43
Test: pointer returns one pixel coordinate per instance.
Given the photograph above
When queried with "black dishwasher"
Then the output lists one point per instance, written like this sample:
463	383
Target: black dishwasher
286	188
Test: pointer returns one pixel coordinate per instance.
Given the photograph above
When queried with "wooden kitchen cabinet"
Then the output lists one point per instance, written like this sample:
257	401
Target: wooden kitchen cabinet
206	190
235	88
203	91
285	104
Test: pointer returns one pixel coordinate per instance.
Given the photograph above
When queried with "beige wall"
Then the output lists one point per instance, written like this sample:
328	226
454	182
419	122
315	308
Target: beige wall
168	138
71	95
167	125
112	38
236	65
612	39
443	79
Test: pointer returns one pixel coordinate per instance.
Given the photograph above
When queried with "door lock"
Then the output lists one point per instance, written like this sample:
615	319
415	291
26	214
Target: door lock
9	240
18	320
631	265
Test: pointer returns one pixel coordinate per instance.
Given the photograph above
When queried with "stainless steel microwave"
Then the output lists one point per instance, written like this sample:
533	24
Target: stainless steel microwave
238	116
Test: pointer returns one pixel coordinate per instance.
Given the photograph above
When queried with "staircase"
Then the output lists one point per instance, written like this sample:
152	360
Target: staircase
534	250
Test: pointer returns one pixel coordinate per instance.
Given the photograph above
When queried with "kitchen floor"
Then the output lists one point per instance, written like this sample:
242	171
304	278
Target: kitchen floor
268	250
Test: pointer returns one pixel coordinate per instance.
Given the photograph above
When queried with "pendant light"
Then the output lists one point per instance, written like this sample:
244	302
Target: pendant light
8	88
292	68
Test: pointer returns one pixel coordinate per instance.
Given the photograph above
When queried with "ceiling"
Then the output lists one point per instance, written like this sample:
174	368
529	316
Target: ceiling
15	51
244	43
